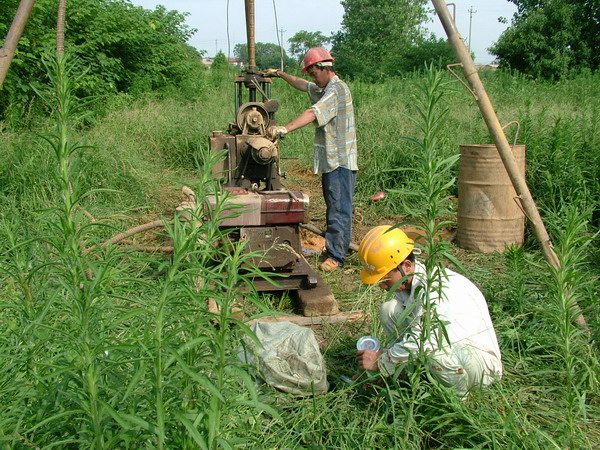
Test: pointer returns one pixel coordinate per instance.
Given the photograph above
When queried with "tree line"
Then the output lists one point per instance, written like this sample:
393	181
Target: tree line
551	39
548	39
129	49
117	46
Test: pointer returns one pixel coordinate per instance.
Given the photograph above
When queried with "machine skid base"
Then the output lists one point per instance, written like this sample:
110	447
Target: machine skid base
313	296
318	301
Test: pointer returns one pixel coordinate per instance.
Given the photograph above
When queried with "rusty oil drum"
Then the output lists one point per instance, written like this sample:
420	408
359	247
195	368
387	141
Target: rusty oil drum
489	218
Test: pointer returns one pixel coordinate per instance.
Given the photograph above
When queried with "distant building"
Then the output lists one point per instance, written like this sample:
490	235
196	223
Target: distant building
487	67
233	61
236	62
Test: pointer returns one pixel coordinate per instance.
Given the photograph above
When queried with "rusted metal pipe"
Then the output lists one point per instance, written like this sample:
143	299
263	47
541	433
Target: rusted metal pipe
60	27
318	231
250	34
137	229
7	52
497	133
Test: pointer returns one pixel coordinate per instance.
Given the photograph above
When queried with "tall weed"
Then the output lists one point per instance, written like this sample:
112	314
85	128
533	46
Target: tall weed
574	360
109	360
429	195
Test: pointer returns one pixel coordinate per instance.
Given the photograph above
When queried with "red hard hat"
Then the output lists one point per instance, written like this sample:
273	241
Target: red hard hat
316	55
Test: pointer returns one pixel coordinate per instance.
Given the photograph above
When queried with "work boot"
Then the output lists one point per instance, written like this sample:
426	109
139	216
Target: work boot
329	265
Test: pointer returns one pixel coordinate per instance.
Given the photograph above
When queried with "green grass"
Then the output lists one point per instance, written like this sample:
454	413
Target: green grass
110	348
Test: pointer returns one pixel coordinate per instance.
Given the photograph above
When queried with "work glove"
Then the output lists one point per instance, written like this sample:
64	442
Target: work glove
273	73
277	132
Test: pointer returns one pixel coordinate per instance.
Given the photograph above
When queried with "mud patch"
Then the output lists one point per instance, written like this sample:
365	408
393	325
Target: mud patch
312	241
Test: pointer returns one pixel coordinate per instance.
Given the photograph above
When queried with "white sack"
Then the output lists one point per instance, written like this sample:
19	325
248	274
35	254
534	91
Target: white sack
290	359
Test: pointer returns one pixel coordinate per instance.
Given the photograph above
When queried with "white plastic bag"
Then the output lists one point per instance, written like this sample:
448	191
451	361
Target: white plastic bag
289	360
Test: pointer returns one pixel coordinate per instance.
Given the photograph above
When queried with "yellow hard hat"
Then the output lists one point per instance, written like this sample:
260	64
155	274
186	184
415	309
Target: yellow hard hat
382	250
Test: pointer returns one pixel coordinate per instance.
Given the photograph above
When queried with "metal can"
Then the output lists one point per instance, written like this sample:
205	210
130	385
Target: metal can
368	343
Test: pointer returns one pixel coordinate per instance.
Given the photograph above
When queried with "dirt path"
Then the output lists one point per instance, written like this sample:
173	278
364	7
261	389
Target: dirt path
309	183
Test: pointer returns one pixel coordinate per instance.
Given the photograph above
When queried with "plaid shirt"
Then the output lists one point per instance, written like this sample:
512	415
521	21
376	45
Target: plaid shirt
335	135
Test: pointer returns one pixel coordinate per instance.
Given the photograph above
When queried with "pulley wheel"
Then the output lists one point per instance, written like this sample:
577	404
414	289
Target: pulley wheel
252	116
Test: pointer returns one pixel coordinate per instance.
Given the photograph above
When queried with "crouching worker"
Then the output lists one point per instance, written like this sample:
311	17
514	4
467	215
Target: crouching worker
468	358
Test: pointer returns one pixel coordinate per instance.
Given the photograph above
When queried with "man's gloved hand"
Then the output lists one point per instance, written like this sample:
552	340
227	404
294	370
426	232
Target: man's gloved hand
277	132
273	73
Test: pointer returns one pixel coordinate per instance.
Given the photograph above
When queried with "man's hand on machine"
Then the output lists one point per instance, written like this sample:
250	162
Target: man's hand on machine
277	132
273	73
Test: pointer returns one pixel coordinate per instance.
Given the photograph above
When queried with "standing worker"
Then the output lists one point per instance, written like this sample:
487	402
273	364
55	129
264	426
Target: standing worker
335	146
466	355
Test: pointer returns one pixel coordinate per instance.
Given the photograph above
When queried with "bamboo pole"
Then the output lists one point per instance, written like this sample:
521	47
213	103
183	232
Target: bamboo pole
497	133
7	52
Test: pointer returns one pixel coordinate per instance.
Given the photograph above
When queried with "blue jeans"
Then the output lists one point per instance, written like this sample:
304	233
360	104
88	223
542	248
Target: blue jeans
338	190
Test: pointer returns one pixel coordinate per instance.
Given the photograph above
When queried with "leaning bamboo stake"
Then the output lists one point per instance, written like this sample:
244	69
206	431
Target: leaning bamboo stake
7	52
497	132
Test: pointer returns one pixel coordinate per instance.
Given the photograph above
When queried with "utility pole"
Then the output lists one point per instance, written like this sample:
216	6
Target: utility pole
471	12
281	30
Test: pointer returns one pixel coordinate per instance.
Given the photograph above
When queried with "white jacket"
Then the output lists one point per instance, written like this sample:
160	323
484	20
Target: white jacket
463	311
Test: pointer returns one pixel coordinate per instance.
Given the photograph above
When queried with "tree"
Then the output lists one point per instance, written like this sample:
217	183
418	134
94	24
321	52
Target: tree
551	38
267	55
303	41
219	62
120	47
431	51
375	32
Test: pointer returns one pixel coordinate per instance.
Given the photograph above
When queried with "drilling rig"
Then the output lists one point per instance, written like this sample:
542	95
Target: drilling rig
251	174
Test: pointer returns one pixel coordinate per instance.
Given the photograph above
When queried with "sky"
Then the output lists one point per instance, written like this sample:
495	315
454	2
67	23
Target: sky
276	18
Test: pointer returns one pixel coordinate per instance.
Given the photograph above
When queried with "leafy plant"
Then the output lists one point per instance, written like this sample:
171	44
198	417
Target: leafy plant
303	41
267	55
550	39
430	197
576	362
104	364
363	50
122	48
